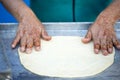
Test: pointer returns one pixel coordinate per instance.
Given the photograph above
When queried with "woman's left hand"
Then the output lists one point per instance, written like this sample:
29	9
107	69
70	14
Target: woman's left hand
103	35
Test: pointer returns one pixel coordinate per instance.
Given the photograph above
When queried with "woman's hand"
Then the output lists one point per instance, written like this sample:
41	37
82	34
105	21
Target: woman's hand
103	35
30	31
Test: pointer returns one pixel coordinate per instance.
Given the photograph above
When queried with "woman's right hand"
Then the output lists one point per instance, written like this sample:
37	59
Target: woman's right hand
30	32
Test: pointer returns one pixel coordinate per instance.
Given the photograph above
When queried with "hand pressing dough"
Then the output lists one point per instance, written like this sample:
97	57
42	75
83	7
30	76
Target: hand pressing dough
66	56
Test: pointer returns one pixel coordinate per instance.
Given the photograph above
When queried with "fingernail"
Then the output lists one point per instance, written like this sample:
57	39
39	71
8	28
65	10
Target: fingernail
105	53
28	51
85	40
13	46
96	51
37	48
22	49
110	50
48	38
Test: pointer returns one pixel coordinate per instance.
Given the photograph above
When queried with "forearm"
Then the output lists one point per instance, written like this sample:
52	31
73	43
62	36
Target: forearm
17	8
112	12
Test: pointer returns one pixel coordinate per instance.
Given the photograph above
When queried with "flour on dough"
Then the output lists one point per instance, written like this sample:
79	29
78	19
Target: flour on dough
66	56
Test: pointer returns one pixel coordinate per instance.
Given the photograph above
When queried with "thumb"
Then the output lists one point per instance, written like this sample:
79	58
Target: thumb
45	35
87	38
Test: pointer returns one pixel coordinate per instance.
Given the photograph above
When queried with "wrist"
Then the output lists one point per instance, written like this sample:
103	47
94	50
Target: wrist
25	14
105	19
108	16
112	12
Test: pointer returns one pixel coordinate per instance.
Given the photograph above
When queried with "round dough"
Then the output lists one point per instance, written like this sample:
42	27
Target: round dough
66	56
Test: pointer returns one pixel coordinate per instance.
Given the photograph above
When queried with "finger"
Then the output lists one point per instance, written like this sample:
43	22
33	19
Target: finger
37	43
29	45
116	43
87	38
104	47
23	43
110	46
45	35
16	41
96	46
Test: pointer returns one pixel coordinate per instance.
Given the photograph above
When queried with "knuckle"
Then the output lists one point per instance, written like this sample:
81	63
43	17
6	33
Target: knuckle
103	47
29	45
116	42
110	45
36	39
37	44
97	46
23	42
15	40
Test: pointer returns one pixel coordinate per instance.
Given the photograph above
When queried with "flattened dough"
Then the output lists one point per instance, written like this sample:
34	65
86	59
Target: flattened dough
66	56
